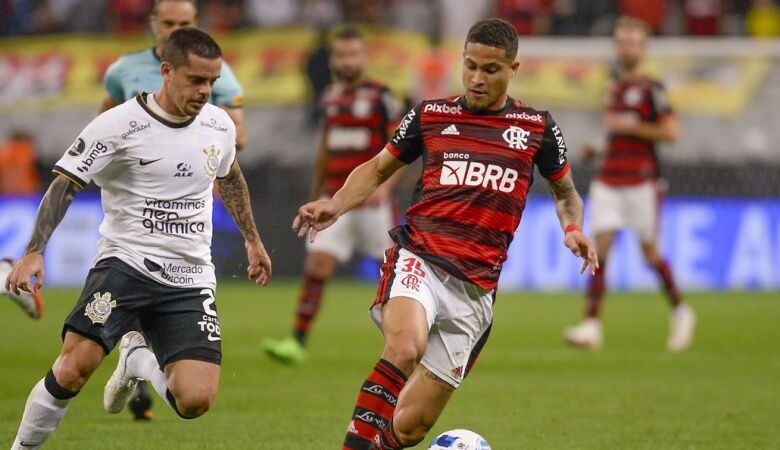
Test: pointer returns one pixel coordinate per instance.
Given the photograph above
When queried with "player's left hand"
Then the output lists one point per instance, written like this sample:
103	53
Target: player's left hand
259	268
583	248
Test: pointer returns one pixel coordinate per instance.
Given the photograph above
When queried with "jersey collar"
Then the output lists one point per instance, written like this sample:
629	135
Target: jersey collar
502	111
141	98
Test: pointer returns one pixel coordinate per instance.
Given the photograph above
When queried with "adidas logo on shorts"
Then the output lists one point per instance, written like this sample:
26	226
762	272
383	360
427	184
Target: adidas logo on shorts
451	130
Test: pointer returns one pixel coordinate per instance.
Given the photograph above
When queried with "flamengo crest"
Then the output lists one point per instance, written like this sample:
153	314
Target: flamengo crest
516	137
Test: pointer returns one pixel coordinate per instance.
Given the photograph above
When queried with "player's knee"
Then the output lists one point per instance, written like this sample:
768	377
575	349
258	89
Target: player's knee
193	404
319	265
405	355
412	434
69	374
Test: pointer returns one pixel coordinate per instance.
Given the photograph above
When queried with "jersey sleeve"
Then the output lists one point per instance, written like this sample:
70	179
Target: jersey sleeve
406	143
227	90
112	80
660	100
230	156
551	158
93	150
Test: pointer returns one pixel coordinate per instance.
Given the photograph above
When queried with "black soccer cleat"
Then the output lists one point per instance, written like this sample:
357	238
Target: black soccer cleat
140	404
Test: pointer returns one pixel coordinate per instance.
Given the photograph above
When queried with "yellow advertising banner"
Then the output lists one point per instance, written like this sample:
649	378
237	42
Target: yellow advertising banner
66	70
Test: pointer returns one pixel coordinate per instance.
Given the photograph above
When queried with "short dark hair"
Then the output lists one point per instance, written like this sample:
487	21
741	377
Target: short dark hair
194	4
347	32
186	41
495	33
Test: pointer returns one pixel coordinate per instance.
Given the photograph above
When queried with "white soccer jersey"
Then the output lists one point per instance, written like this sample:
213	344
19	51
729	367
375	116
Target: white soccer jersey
156	179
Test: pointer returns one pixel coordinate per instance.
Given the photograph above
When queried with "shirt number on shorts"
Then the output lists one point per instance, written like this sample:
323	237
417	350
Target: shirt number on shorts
413	266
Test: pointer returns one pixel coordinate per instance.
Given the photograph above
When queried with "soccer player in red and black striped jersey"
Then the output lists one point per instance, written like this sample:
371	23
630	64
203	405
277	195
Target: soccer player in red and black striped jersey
434	303
360	115
626	191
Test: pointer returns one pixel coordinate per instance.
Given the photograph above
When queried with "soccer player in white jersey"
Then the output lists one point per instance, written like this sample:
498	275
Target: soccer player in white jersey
156	158
31	303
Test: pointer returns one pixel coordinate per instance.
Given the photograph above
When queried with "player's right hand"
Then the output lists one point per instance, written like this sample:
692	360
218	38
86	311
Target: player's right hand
31	265
316	216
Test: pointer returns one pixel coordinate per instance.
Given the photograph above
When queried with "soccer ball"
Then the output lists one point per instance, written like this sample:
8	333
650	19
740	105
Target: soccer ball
459	440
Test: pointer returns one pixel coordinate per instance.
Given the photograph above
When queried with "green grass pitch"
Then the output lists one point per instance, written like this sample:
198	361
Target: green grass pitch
528	391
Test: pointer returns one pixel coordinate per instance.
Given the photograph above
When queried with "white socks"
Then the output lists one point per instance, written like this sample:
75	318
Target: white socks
142	364
42	413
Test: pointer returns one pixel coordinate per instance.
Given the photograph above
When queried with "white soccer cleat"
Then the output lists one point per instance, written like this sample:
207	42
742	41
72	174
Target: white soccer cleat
121	385
31	304
682	323
586	335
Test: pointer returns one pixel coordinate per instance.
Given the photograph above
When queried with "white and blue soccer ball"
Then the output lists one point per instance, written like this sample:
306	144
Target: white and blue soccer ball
459	440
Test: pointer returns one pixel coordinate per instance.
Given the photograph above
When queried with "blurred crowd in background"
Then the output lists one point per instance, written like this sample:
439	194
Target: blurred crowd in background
447	18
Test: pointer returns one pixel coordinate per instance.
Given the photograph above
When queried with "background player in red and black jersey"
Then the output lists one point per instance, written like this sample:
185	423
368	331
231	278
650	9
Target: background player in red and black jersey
359	116
434	303
626	192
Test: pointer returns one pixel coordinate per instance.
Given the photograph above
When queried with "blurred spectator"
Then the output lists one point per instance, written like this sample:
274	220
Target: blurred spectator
78	16
763	19
573	17
222	15
129	16
652	12
318	73
321	13
703	17
530	17
368	11
423	16
16	17
272	13
19	173
433	79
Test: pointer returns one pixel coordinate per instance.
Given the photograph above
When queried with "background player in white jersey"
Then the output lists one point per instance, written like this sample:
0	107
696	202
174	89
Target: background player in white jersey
626	191
360	114
138	72
156	158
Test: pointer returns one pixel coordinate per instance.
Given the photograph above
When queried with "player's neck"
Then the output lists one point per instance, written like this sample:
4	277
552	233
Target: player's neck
351	85
629	74
163	107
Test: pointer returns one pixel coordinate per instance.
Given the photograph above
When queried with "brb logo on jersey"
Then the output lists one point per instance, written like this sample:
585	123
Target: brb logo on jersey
462	172
516	137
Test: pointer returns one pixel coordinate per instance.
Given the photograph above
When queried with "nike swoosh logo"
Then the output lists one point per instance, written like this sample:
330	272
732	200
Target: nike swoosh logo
145	162
214	338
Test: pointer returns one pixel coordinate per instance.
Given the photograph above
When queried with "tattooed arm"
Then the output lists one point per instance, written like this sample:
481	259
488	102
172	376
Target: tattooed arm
235	196
569	206
51	211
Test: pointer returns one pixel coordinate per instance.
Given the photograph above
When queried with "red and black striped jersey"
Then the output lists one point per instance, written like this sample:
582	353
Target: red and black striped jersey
477	169
632	160
356	127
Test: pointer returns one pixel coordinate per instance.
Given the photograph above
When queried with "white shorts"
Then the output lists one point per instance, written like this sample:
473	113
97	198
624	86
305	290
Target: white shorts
460	314
614	208
364	229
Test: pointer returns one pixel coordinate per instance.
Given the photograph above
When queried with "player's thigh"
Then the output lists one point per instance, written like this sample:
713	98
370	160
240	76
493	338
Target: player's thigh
461	330
604	241
109	303
337	240
373	225
606	208
643	206
193	382
405	330
182	324
420	404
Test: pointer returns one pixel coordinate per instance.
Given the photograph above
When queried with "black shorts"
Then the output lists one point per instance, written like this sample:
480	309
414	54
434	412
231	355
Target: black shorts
178	323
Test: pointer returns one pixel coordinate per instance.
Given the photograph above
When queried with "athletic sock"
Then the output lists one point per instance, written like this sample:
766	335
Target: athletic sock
667	279
375	406
308	306
595	294
388	440
44	410
142	363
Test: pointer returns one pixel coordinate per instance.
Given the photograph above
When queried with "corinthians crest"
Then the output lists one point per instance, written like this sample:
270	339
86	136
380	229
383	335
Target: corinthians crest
100	308
212	160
